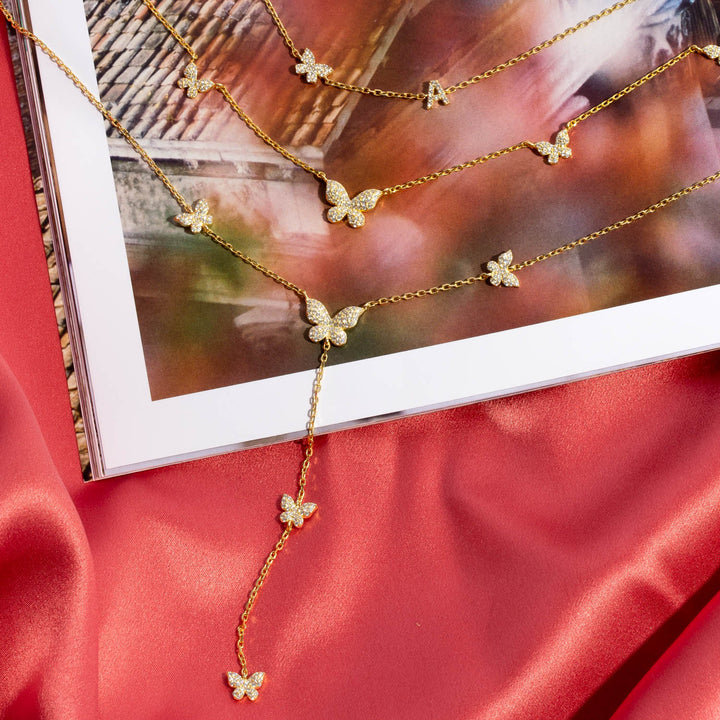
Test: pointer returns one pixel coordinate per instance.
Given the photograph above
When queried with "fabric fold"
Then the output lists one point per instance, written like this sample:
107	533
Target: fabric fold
48	643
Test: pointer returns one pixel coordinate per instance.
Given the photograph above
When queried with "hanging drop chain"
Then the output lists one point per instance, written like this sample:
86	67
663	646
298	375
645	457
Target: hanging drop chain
422	96
501	272
302	483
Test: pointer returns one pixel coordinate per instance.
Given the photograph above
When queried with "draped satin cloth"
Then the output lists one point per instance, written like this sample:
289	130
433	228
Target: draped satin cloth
548	556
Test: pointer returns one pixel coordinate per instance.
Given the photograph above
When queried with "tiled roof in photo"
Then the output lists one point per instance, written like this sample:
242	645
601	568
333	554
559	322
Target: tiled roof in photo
138	64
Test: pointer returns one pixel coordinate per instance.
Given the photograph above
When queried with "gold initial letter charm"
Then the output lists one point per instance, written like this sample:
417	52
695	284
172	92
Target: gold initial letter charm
435	94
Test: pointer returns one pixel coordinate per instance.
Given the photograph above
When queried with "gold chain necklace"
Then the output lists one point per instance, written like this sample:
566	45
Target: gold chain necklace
353	209
330	330
435	94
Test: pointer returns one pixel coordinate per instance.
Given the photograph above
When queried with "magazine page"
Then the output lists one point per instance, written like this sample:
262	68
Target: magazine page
189	350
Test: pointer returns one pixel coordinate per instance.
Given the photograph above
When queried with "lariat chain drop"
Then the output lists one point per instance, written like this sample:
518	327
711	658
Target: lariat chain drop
309	443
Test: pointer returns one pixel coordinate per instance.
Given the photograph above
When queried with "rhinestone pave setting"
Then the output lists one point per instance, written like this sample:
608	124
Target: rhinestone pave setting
245	686
310	69
327	327
197	219
295	512
554	151
345	207
500	271
191	84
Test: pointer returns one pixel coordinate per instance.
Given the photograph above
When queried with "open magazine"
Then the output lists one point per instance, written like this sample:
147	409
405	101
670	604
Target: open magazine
184	351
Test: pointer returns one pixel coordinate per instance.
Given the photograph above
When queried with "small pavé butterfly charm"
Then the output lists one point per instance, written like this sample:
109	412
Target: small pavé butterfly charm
713	52
245	687
344	206
197	219
500	271
554	151
311	69
191	84
330	328
295	513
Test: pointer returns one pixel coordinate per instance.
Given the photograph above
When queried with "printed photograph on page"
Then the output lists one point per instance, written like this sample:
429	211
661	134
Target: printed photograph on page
207	320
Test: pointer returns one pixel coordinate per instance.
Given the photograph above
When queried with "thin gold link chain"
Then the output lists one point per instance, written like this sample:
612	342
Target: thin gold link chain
430	177
217	239
302	482
620	223
629	220
459	167
252	598
265	137
169	27
429	292
97	105
634	85
538	48
377	92
310	437
281	29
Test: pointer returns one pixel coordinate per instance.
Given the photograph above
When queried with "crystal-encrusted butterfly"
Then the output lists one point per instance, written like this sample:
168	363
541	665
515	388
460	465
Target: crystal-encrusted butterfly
713	52
500	271
191	84
330	328
558	149
295	513
311	69
195	220
344	206
245	687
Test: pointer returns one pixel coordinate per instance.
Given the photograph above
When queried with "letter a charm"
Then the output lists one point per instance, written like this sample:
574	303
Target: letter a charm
435	94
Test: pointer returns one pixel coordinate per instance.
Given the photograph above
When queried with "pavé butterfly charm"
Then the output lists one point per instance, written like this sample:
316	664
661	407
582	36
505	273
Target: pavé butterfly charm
191	84
558	149
311	69
199	217
330	328
245	687
500	271
354	209
713	52
295	513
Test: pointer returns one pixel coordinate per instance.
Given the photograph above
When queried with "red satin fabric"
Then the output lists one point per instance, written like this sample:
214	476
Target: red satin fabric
554	555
